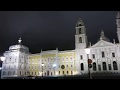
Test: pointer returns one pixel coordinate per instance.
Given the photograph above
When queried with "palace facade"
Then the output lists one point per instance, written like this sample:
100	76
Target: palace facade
105	56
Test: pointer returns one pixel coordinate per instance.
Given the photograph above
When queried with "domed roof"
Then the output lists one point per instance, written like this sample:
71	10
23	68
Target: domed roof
103	37
19	46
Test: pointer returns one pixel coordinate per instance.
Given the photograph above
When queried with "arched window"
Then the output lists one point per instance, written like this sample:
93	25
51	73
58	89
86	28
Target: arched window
67	72
104	66
80	39
94	66
80	24
82	66
115	65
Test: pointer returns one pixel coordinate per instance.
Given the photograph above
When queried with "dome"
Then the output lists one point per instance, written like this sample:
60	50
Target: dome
103	37
19	46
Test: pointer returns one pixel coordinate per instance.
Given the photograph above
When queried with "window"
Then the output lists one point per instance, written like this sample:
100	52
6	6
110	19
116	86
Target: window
67	72
59	72
109	66
63	72
4	73
80	31
71	72
93	55
115	65
104	66
20	72
82	66
94	66
71	65
67	66
113	54
32	73
35	73
25	73
81	57
51	73
80	24
45	73
103	54
80	40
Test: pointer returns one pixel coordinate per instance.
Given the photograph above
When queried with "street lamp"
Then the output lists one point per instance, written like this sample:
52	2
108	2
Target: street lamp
2	58
89	61
42	69
54	66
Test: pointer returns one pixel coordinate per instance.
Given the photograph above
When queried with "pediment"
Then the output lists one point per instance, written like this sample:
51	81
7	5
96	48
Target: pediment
102	43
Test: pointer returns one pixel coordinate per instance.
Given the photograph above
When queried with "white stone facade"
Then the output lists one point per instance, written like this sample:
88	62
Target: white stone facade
105	56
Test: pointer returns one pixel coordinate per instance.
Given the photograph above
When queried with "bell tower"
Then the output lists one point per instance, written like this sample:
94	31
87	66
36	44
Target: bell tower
80	37
118	26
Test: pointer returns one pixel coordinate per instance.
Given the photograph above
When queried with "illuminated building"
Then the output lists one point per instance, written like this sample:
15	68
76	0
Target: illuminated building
105	57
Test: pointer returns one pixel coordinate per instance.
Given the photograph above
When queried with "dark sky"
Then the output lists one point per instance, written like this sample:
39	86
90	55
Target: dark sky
47	30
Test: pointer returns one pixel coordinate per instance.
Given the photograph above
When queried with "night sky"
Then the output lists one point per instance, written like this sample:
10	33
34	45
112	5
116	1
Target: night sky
48	30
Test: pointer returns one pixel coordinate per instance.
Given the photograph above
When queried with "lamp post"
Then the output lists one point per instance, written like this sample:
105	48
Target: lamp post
2	58
54	66
42	69
89	62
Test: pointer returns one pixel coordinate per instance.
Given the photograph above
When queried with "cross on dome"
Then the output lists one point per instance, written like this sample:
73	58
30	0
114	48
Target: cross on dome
19	41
